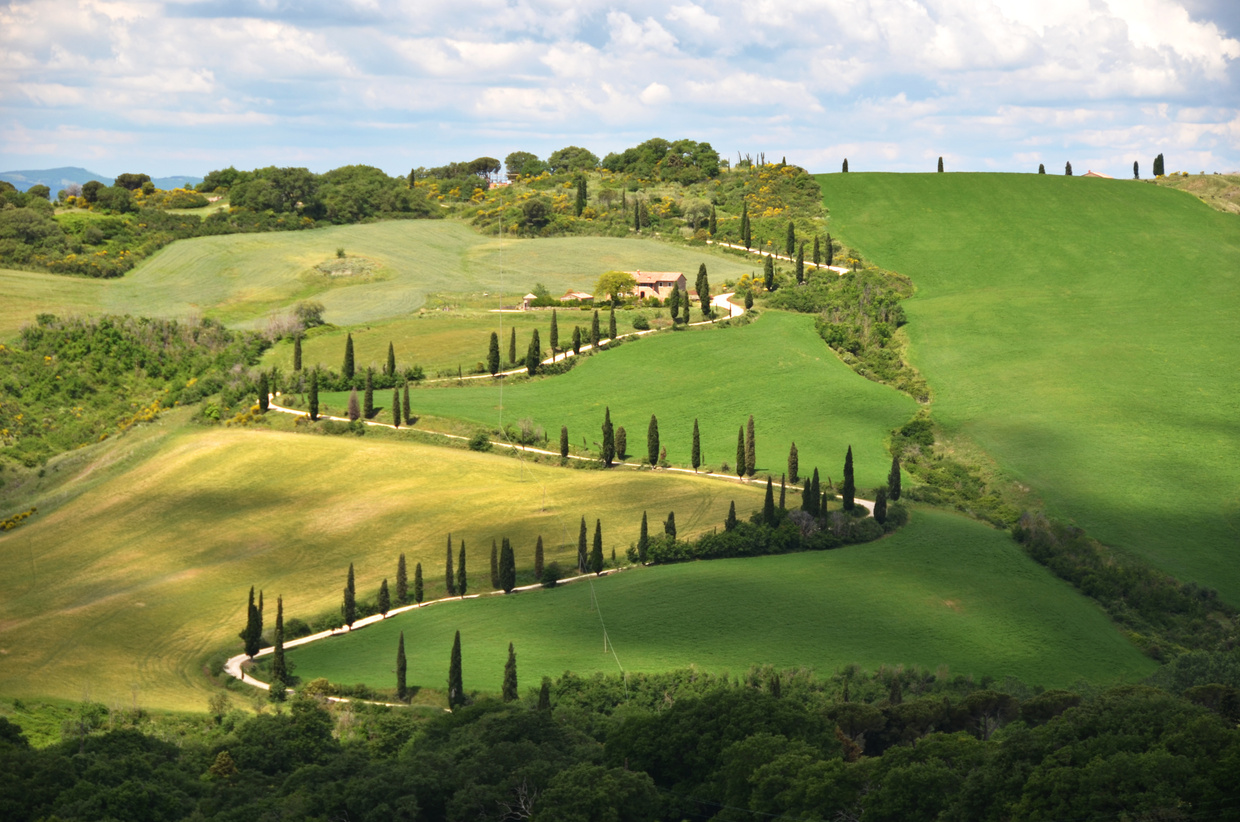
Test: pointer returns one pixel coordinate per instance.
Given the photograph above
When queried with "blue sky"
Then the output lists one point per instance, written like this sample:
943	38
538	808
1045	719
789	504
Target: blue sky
185	86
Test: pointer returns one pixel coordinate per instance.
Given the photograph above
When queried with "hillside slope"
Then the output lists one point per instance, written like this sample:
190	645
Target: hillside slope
1083	332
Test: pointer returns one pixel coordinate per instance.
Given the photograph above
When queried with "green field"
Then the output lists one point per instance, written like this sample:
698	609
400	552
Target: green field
944	591
1083	332
141	577
776	368
242	279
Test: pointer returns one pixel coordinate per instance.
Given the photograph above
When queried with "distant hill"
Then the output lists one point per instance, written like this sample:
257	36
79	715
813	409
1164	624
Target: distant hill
58	178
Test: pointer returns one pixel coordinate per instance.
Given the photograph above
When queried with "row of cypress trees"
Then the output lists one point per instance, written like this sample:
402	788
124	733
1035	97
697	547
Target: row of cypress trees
456	687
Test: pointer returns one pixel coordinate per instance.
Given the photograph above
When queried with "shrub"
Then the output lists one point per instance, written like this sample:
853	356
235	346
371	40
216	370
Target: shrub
480	441
641	323
551	575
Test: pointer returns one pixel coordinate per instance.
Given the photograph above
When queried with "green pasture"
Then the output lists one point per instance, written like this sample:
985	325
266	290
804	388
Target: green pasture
776	368
26	294
943	591
142	577
1084	333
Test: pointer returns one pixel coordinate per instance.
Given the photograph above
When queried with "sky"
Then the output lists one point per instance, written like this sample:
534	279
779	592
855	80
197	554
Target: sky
186	86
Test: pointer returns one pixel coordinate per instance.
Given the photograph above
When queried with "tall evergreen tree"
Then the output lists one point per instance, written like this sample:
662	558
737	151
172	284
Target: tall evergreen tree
643	541
741	467
790	240
314	394
402	669
815	493
669	525
594	331
576	339
1067	169
538	558
544	695
830	250
456	687
637	217
252	636
348	607
563	442
940	165
893	480
845	169
533	357
746	230
279	666
673	305
748	298
730	522
260	612
355	410
794	474
807	499
346	370
1159	169
751	448
368	404
512	346
493	354
390	368
384	599
449	575
402	582
609	439
783	490
579	205
622	443
405	405
507	567
494	565
880	505
652	441
849	490
768	273
817	252
703	290
581	548
554	337
801	264
714	222
263	391
1041	168
611	324
1136	171
396	407
510	676
418	591
462	586
695	456
297	353
596	552
768	504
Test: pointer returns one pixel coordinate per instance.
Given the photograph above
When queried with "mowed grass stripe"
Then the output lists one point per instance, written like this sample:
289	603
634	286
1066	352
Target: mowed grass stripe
944	591
777	368
1083	332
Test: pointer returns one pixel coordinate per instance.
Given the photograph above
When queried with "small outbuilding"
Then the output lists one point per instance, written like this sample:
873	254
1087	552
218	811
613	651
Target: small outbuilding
527	300
657	283
577	297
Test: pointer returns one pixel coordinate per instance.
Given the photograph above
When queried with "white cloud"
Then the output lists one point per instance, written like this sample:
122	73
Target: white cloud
655	94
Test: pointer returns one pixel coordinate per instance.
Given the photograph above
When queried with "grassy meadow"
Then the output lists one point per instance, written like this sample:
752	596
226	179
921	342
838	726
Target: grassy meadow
140	573
1083	332
944	591
776	368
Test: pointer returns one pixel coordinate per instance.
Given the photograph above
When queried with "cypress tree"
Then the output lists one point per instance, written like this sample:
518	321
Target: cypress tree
893	480
417	584
807	504
279	668
940	165
594	332
402	668
652	441
576	339
510	675
696	453
579	204
384	599
801	264
880	505
790	241
817	252
456	690
768	273
405	404
793	469
563	442
845	169
637	217
1067	169
538	558
830	250
849	491
355	411
314	394
673	304
581	548
494	565
815	494
669	525
609	439
461	584
714	223
449	576
768	504
783	491
1136	171
402	582
1159	169
263	389
1041	168
746	233
297	352
544	695
252	635
751	448
348	607
611	324
703	290
390	369
748	299
346	370
507	567
368	404
512	347
740	452
643	541
260	613
396	407
493	354
596	552
622	443
533	357
730	522
554	338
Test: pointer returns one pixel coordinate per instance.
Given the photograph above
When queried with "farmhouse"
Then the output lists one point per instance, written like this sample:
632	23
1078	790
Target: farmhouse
657	283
